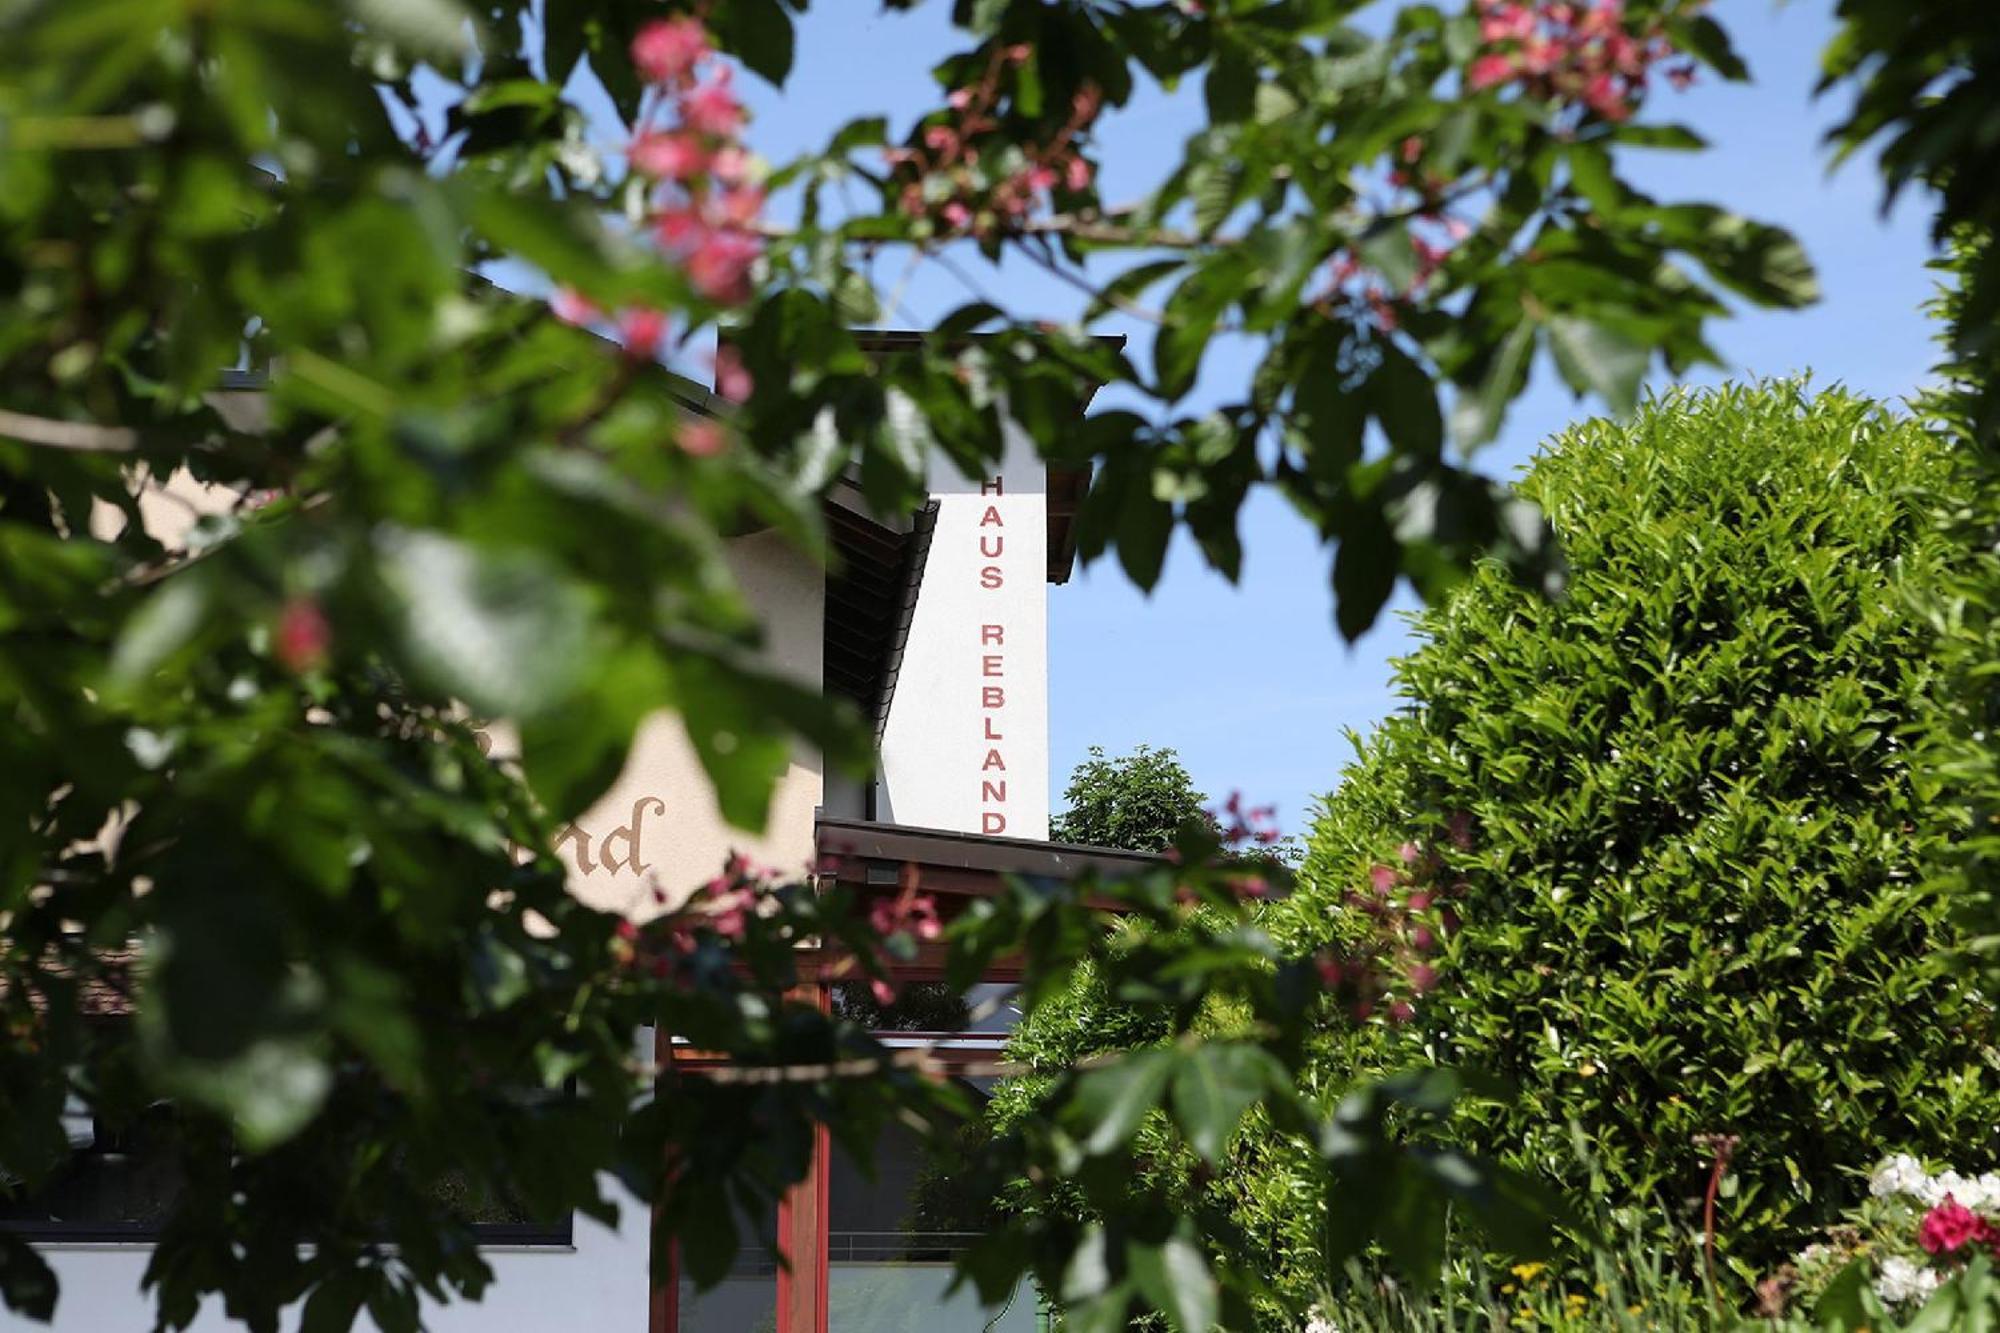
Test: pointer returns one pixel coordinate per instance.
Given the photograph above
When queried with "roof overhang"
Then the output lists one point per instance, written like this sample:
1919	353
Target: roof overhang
876	861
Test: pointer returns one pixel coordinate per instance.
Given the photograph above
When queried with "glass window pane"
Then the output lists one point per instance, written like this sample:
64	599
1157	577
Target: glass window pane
892	1239
746	1301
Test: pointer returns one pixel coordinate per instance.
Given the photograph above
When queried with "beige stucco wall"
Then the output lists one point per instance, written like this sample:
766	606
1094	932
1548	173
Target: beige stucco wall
664	802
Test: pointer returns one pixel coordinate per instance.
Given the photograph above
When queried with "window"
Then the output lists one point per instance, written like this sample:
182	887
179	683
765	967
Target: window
115	1185
746	1301
120	1185
892	1240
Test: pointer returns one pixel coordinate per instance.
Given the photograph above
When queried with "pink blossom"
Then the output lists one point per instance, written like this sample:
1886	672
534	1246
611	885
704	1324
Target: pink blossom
641	330
712	108
1382	877
956	215
1604	96
303	636
740	205
719	265
730	165
679	229
942	139
1681	77
1077	173
669	156
732	380
1489	71
702	439
1507	22
569	306
667	50
1539	57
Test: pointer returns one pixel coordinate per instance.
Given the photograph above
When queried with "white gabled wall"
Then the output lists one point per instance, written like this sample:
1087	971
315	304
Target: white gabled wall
966	746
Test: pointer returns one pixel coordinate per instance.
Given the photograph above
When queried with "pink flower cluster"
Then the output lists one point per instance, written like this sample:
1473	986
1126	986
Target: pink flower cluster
1950	1227
908	917
950	177
1362	291
706	207
1572	52
1407	910
723	907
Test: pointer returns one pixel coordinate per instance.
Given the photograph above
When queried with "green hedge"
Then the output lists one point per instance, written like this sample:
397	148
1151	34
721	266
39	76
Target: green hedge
1693	902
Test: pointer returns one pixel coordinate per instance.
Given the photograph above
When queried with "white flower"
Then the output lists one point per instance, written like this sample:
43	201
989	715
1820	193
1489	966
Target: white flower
1317	1322
1900	1174
1902	1280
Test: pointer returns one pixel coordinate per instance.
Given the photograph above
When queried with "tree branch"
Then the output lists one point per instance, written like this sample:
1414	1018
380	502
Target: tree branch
76	436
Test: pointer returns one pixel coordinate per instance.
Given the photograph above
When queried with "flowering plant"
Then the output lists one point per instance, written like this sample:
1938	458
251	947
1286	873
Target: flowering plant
1916	1229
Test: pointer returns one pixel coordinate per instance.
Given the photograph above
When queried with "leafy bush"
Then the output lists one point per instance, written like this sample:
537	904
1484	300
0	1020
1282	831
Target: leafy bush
1692	898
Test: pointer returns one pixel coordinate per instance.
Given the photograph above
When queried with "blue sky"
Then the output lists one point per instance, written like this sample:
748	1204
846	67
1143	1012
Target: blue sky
1250	682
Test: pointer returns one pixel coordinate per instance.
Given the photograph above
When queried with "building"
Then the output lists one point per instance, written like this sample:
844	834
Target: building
934	623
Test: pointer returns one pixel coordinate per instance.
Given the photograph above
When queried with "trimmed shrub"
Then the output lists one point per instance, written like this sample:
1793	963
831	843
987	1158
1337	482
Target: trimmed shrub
1693	899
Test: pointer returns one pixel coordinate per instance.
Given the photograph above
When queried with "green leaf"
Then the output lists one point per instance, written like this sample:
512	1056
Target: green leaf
1192	313
501	630
336	1301
1596	359
1231	86
1329	413
1478	409
1215	1084
1404	400
1144	525
1111	1101
1364	574
759	32
27	1283
437	28
1709	41
269	1092
1174	1276
165	624
1388	251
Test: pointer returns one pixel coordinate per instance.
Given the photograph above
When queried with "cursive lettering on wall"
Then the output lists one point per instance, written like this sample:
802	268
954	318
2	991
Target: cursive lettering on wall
619	849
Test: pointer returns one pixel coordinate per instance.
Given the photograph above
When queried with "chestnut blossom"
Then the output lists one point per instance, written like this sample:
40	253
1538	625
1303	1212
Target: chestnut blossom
303	636
666	51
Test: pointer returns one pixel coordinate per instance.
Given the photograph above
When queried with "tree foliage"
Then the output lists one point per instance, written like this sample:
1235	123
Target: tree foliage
1692	892
1139	801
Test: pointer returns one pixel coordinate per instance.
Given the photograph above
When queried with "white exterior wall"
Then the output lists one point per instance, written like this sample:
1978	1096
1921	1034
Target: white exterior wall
967	741
599	1282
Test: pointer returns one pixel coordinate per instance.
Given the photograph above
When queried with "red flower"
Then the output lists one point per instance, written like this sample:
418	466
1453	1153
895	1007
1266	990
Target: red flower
1948	1226
303	635
667	50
